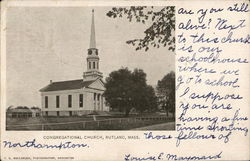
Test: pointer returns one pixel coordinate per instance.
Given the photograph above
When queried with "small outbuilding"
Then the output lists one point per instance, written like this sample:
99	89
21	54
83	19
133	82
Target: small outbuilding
23	112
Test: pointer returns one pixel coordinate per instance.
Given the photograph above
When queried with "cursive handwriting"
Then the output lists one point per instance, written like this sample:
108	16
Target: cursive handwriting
168	156
187	158
150	135
33	144
192	136
129	157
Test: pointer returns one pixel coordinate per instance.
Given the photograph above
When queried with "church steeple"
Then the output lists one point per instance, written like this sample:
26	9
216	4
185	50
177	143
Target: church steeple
92	34
92	58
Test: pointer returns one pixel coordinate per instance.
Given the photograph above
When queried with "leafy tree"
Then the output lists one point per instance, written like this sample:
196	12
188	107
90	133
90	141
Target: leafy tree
166	92
118	90
126	90
148	100
143	94
160	31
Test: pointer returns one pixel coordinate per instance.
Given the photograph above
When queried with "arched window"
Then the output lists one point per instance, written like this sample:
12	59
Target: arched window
89	65
93	65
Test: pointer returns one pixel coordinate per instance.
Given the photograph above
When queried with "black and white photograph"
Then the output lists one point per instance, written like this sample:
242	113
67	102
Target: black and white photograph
93	80
90	68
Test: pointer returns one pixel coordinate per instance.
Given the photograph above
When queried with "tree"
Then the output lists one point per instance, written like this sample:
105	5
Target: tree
161	29
148	100
118	90
143	94
126	90
166	92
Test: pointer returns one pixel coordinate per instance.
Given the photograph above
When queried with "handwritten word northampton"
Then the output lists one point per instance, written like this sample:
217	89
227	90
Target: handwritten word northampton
33	144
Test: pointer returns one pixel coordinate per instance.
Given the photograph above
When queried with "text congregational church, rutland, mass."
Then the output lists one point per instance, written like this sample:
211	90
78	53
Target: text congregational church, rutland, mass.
77	97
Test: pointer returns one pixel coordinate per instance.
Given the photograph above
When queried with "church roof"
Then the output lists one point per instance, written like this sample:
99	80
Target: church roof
19	110
67	85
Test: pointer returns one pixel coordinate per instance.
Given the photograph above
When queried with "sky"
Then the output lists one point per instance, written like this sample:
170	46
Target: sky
50	43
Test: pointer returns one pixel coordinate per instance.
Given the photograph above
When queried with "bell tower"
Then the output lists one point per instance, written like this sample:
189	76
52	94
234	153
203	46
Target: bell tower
92	72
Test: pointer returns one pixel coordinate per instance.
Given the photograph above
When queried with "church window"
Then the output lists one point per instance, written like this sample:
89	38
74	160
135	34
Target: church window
46	113
70	113
57	101
94	96
69	100
46	101
93	65
81	100
97	65
89	65
57	113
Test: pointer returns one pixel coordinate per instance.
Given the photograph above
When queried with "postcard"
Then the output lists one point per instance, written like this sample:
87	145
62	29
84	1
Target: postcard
125	80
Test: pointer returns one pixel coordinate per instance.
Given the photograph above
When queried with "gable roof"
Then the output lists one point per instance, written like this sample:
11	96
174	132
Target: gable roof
66	85
98	84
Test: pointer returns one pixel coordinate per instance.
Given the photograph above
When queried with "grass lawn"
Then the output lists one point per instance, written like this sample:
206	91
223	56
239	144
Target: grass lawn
42	120
163	126
77	123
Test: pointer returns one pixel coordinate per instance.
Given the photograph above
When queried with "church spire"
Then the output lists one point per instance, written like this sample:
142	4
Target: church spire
92	72
92	34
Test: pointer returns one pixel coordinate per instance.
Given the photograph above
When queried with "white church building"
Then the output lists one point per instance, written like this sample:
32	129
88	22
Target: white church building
77	97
